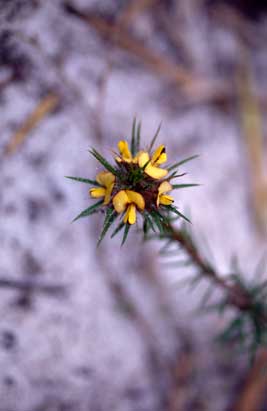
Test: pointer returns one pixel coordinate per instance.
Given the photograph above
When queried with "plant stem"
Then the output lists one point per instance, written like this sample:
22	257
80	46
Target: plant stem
237	296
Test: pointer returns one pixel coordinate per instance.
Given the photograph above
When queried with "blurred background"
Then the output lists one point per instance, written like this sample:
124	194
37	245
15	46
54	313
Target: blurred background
110	328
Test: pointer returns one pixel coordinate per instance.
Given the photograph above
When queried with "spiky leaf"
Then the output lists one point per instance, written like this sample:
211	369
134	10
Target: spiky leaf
138	137
84	180
133	140
174	210
109	219
154	138
104	162
126	232
90	210
118	229
179	163
177	186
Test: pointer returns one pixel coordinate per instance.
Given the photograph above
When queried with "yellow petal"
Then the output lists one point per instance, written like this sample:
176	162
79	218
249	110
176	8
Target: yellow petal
162	159
105	178
143	158
159	156
164	187
165	199
108	193
136	198
155	172
120	201
97	192
158	199
130	215
124	150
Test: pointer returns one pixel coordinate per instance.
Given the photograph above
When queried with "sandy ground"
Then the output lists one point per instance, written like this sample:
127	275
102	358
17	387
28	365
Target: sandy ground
107	342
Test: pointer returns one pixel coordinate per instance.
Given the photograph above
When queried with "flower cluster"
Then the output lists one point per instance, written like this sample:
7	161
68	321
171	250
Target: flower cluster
137	183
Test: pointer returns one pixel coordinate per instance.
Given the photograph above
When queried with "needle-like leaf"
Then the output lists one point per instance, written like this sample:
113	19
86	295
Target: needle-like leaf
177	186
109	219
90	210
133	141
84	180
154	138
179	163
104	162
126	232
119	228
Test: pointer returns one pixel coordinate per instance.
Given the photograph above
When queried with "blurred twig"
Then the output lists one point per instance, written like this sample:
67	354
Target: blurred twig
237	296
133	9
182	371
31	286
252	127
233	19
124	40
44	107
198	90
255	390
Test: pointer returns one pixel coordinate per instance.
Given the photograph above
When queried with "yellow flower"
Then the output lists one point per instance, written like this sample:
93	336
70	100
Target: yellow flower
151	165
107	181
128	200
162	198
125	154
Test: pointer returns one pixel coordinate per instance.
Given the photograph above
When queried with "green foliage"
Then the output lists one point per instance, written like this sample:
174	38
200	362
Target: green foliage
178	186
110	217
117	229
126	232
90	210
104	162
84	180
135	138
176	211
179	163
154	138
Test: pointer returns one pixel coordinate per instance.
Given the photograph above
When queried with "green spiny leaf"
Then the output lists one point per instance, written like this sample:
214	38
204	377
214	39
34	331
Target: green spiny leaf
145	227
174	175
149	221
179	163
119	228
109	219
174	210
233	329
84	180
154	138
104	162
133	142
157	221
138	138
126	232
90	210
177	186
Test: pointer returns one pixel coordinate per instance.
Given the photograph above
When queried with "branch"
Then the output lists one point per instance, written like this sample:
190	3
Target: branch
121	38
237	296
31	286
